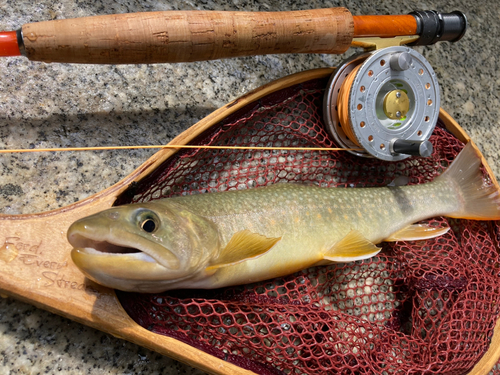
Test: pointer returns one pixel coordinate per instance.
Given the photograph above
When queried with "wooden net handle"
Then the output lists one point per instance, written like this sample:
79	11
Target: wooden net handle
184	36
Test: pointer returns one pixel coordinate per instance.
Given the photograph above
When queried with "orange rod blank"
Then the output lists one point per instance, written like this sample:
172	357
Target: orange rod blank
384	26
8	44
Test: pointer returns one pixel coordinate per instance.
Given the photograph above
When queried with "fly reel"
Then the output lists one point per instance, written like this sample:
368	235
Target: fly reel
385	104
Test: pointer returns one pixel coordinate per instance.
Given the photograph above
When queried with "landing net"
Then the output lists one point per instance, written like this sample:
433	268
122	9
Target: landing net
421	307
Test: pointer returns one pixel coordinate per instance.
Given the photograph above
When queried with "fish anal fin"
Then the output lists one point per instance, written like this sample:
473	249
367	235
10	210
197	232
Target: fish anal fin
244	245
417	232
354	246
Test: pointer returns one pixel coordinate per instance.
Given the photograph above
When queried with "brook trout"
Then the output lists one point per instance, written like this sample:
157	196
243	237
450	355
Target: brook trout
237	237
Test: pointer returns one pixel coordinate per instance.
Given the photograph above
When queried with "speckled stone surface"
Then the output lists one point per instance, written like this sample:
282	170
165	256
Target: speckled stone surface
62	105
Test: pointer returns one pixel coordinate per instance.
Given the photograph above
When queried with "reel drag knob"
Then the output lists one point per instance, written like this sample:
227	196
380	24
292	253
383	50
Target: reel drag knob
385	103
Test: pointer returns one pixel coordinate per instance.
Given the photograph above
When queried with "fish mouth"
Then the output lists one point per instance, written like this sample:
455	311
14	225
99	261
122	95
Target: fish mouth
105	248
119	259
102	246
119	244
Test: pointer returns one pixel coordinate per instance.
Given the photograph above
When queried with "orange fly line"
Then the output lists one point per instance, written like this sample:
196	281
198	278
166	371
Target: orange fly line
103	148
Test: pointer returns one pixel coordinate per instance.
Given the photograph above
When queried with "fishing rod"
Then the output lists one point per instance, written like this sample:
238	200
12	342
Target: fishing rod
382	104
186	36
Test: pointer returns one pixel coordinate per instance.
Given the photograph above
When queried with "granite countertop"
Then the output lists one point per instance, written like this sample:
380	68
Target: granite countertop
62	105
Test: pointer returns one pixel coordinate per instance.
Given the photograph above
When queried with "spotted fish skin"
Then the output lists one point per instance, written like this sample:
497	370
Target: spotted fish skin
237	237
310	220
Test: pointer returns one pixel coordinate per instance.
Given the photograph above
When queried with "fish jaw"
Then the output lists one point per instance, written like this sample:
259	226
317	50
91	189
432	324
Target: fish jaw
121	267
119	271
122	262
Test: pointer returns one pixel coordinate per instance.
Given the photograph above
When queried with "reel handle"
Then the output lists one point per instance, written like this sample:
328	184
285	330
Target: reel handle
415	148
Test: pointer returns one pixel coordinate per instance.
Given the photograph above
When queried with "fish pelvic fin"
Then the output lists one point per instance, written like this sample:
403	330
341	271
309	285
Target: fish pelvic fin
417	232
479	200
354	246
244	245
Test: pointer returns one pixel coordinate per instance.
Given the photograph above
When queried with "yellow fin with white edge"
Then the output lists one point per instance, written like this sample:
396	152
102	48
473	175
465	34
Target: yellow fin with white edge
244	245
417	232
354	246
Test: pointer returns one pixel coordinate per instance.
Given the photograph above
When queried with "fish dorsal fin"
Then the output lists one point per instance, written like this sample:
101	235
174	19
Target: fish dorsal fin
244	245
354	246
417	232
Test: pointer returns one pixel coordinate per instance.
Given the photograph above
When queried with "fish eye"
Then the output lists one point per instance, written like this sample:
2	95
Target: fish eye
147	221
148	225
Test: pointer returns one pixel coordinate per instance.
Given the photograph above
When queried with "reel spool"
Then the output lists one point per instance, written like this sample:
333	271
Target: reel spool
384	103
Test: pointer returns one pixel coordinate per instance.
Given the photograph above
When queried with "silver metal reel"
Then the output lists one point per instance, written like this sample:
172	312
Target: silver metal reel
393	104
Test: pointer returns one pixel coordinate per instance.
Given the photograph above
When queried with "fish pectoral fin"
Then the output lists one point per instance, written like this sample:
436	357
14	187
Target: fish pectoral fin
354	246
244	245
417	232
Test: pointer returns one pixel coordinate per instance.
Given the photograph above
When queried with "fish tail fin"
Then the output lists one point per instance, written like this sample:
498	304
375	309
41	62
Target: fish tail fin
479	200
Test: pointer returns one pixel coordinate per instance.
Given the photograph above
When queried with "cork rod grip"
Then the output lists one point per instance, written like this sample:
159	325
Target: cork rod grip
184	36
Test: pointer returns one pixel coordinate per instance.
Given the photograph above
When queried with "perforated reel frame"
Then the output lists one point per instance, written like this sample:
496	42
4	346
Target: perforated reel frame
370	124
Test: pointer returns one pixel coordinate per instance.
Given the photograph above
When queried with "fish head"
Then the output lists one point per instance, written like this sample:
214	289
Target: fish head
143	247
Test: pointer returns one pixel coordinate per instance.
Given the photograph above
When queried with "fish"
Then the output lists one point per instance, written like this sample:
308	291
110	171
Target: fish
221	239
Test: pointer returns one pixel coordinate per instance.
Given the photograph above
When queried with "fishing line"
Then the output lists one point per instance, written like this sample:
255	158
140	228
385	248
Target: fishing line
106	148
343	105
384	105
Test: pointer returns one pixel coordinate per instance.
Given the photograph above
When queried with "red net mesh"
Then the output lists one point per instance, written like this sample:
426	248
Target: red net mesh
496	369
417	307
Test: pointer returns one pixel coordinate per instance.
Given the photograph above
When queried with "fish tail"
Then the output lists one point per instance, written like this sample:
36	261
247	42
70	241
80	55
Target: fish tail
480	201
